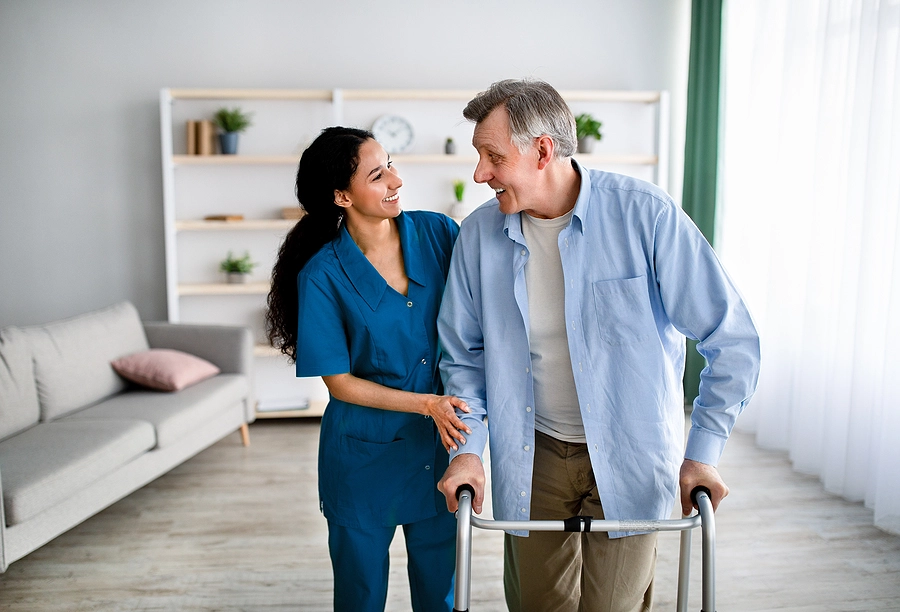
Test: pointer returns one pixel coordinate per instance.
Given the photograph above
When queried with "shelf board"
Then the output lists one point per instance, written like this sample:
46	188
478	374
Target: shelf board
223	288
265	350
200	225
630	159
212	160
246	94
394	94
234	160
316	408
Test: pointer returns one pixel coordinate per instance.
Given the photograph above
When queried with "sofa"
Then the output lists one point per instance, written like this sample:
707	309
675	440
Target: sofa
75	436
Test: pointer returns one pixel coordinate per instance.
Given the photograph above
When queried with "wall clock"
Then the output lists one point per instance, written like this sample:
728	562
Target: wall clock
393	132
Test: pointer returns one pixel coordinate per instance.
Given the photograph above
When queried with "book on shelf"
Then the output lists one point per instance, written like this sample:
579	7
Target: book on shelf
223	218
206	137
191	137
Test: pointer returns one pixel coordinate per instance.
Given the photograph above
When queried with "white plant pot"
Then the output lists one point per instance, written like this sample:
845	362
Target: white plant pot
586	144
235	278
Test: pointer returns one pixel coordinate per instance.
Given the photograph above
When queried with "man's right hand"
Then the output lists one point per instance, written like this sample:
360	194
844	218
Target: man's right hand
464	469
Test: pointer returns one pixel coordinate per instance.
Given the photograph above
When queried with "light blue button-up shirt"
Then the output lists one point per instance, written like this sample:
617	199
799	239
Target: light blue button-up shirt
639	277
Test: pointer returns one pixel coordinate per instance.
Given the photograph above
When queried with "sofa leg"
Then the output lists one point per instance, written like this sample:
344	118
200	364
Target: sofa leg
245	435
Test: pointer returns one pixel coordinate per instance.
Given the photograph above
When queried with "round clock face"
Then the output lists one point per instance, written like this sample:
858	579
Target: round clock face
393	132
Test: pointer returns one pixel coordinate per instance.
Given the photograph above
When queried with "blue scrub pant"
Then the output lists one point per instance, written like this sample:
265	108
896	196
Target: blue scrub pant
360	560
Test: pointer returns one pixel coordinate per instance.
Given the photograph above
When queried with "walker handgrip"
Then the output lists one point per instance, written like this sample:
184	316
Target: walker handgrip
696	491
465	487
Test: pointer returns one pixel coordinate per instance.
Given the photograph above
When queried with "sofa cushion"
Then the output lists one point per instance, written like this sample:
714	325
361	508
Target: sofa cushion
72	357
50	462
19	408
174	415
164	369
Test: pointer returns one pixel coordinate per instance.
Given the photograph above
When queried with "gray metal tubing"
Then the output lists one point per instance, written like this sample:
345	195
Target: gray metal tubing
463	552
705	519
708	533
684	571
666	525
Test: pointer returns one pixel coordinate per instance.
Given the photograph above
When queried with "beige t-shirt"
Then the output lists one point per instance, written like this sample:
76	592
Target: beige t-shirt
556	410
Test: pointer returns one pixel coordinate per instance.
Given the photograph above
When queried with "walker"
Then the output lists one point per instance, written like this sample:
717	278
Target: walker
703	519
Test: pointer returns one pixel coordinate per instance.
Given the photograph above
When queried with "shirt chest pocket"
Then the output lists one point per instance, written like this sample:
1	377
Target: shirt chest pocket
623	312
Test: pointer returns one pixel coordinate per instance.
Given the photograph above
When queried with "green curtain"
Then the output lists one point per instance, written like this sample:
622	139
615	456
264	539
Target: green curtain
701	147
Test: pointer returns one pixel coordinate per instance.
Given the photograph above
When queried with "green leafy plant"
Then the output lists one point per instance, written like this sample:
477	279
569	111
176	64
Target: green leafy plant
232	120
238	265
459	188
586	125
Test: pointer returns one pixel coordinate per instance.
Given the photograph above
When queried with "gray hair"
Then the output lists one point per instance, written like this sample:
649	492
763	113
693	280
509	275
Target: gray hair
535	109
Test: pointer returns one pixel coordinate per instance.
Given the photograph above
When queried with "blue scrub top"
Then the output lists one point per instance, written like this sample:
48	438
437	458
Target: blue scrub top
377	467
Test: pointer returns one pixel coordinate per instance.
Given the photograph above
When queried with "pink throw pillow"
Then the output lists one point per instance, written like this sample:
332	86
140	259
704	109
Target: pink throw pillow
164	369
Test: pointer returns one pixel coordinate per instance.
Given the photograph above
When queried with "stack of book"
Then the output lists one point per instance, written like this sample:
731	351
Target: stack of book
201	138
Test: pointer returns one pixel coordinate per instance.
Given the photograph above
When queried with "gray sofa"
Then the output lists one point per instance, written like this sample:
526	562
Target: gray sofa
75	437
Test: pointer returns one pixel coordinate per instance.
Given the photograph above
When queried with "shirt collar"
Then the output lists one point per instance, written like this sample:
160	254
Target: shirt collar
512	225
364	277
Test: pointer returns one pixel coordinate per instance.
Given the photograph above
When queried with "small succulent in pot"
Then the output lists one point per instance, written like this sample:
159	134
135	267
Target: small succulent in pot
587	129
238	269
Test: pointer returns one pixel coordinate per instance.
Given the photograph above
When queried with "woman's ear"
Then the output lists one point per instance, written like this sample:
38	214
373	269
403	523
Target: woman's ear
341	199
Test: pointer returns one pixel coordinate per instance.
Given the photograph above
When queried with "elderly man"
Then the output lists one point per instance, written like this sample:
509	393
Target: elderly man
563	322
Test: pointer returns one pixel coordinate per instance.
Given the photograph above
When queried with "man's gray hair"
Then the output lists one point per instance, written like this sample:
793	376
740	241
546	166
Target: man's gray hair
535	109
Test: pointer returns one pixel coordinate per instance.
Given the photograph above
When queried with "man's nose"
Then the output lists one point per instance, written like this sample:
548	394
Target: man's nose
481	174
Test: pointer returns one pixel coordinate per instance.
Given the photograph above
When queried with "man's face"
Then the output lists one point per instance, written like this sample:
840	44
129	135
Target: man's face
502	166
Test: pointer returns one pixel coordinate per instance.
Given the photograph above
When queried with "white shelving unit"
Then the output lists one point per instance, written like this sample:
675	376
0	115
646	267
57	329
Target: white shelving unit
259	181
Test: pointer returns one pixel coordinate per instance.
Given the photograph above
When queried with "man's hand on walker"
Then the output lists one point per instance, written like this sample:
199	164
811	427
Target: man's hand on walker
695	474
464	469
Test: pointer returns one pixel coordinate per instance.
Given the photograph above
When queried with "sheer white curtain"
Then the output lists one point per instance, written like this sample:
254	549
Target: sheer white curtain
808	226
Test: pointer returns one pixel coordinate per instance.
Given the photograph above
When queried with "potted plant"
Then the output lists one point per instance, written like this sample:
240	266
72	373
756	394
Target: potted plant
587	130
237	269
232	122
458	210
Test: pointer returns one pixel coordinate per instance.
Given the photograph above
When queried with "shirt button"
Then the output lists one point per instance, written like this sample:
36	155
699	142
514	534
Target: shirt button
409	304
527	408
522	494
521	509
423	361
427	467
523	251
527	447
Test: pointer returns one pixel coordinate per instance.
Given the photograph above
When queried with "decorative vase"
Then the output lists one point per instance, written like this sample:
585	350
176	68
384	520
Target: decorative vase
450	147
235	278
228	142
459	210
586	144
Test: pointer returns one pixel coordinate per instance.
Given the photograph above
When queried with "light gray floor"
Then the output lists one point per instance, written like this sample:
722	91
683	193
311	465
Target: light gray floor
239	529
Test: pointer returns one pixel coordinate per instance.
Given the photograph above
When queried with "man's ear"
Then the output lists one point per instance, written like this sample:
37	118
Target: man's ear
545	147
341	199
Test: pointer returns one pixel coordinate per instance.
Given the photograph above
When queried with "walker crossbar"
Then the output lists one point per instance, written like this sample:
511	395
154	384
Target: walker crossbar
704	519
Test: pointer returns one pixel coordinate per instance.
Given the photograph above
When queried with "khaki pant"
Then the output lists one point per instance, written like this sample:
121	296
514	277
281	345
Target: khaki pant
574	572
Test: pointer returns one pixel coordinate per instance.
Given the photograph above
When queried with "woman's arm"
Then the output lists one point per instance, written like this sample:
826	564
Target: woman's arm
441	408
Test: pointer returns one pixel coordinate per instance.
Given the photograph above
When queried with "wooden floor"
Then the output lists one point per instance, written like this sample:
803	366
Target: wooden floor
239	529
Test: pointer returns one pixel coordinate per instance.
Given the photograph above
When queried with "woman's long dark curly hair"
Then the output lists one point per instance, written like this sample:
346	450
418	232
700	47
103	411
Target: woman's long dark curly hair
328	164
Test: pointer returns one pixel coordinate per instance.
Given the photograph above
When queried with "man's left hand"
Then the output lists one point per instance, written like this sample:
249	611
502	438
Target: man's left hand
695	474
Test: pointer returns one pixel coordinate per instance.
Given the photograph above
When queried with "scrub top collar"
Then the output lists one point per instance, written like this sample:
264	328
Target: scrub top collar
512	225
370	285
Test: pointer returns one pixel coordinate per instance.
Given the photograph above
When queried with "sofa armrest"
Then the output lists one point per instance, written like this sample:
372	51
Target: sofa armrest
228	347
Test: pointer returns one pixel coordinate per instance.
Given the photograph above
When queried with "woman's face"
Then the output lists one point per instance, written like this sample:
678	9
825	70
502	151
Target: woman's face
373	192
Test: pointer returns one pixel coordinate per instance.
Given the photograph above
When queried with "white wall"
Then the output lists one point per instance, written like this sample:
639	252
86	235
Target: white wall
80	179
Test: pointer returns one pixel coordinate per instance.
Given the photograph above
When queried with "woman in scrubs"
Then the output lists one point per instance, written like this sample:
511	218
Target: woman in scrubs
355	296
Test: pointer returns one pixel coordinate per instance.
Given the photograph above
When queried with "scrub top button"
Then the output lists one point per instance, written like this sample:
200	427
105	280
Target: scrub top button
409	304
